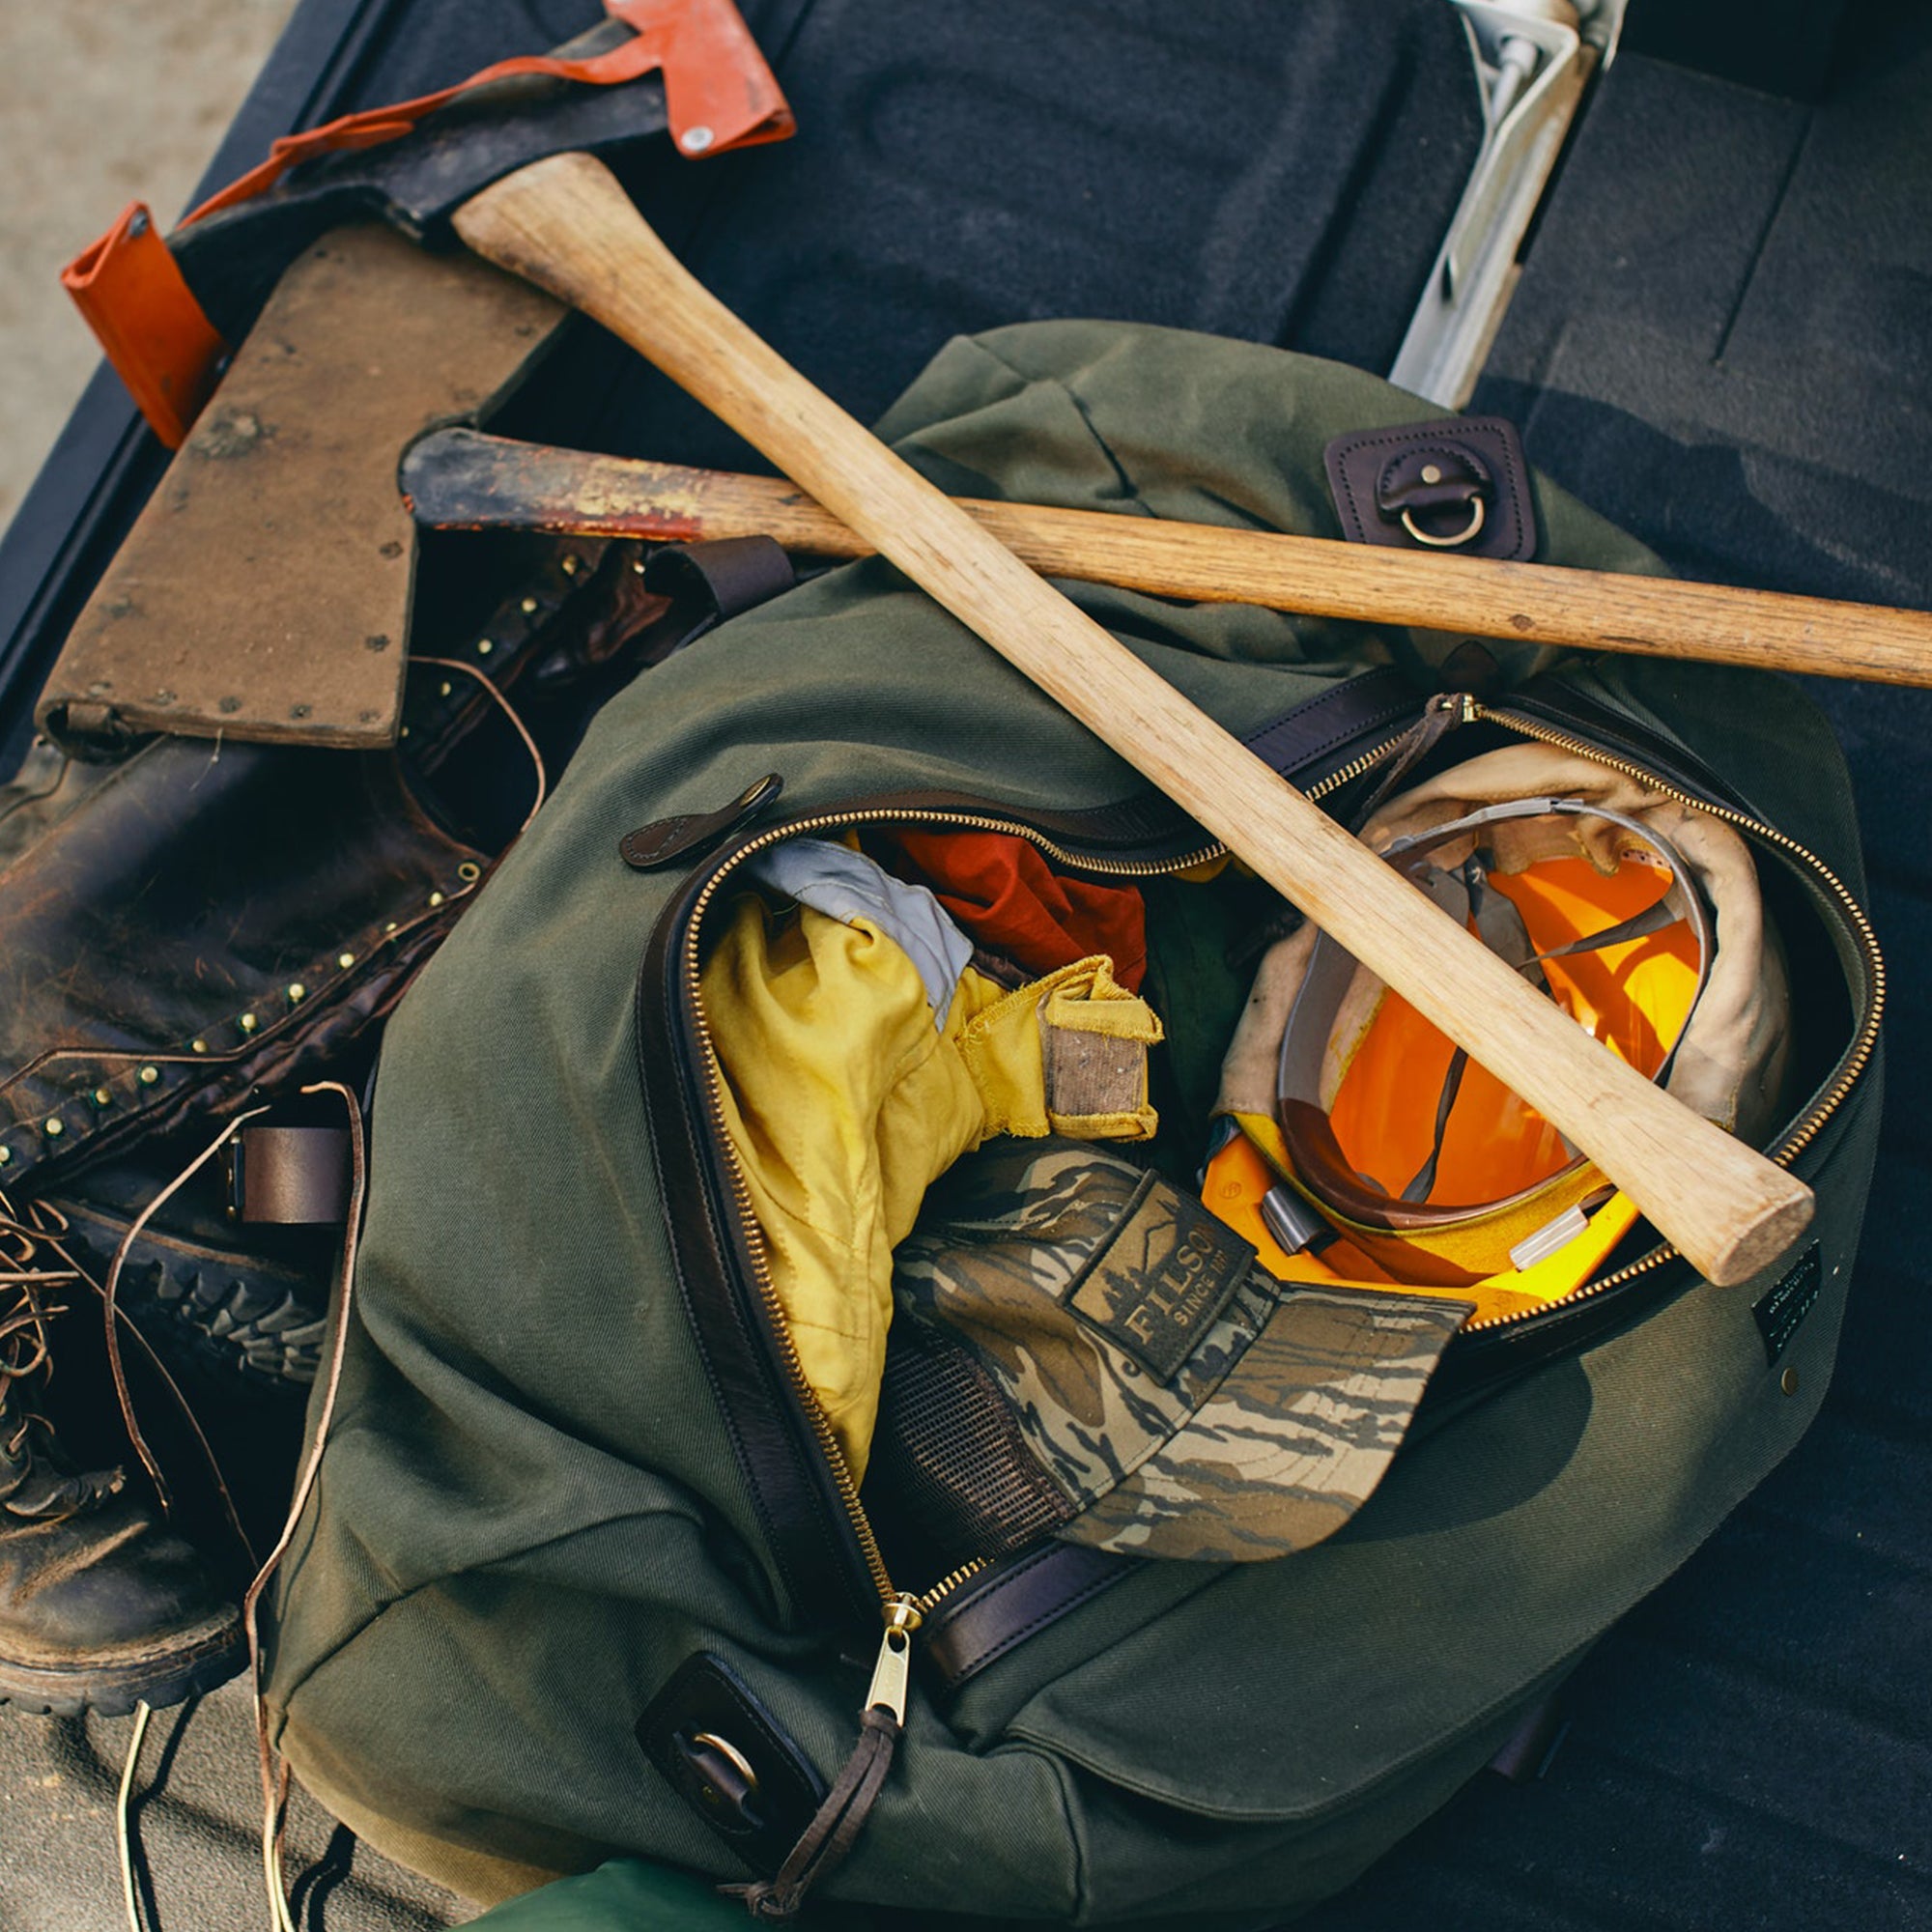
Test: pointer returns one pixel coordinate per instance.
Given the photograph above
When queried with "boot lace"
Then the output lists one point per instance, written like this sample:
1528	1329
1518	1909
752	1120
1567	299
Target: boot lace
36	1481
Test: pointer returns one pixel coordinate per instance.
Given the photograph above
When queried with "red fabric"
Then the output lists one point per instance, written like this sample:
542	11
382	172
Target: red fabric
1006	899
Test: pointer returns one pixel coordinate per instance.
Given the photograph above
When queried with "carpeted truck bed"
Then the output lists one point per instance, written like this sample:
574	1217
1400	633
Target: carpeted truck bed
1723	339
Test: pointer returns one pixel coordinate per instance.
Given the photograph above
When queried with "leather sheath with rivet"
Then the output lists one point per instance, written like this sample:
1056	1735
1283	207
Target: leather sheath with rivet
263	593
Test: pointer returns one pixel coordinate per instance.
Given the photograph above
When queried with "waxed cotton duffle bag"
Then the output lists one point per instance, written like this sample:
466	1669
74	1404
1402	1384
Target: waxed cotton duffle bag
586	1571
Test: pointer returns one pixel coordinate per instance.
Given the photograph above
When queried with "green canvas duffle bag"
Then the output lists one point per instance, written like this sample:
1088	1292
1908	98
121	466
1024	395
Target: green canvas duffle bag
581	1574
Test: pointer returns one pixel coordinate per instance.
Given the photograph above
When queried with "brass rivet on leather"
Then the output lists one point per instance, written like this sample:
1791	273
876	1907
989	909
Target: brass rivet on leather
249	1023
149	1075
485	645
345	960
529	606
436	899
1788	1382
54	1129
297	992
198	1045
570	566
102	1098
392	926
445	688
6	1156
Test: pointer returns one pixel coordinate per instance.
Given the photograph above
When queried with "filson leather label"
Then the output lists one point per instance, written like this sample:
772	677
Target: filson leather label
1782	1307
1162	1279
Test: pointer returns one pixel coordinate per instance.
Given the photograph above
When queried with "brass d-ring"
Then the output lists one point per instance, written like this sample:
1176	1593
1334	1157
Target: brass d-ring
732	1756
1468	535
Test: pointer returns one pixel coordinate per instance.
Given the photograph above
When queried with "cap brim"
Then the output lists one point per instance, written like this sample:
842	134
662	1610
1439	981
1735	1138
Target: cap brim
1292	1443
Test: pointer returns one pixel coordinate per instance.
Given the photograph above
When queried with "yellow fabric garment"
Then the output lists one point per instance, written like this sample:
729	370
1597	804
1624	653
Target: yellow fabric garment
845	1101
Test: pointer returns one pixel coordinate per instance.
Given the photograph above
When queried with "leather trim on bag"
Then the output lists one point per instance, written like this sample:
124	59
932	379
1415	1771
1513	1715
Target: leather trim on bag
1308	741
1003	1606
1557	702
791	1487
666	840
730	1759
1455	483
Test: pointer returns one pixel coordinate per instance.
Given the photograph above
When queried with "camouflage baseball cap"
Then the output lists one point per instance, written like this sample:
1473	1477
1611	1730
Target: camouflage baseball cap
1080	1349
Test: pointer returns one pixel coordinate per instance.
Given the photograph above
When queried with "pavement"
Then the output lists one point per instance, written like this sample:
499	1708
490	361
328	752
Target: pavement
98	107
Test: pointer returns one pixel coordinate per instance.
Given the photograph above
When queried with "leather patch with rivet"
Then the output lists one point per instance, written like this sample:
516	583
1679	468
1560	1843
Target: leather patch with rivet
1785	1304
1458	485
730	1760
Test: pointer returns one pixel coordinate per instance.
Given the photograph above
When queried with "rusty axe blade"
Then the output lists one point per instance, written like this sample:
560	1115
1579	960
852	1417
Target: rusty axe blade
263	593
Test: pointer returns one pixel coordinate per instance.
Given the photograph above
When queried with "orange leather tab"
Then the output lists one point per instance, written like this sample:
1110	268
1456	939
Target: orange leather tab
718	94
131	291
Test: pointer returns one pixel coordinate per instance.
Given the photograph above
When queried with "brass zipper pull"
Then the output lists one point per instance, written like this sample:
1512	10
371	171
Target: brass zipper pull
836	1826
1442	714
891	1675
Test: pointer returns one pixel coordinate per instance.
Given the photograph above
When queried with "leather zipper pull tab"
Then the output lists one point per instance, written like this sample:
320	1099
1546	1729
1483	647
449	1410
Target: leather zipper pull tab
1445	712
665	839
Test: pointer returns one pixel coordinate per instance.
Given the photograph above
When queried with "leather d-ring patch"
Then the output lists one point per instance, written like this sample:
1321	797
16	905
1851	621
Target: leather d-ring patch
1458	485
730	1760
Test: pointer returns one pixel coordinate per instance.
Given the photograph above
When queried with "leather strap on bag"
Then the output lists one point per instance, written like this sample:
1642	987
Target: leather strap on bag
1012	1601
829	1838
719	96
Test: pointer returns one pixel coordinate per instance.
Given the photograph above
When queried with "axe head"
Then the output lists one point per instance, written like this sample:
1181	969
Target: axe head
263	593
415	183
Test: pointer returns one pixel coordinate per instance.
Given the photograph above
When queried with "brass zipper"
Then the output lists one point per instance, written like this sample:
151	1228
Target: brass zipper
1807	1130
895	1602
1356	768
903	1612
891	1674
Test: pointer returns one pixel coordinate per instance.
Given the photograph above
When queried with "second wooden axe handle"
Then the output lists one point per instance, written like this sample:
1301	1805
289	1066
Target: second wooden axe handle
459	479
567	225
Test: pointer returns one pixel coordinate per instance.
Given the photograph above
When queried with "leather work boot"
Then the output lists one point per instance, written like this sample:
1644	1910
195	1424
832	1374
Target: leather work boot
100	1605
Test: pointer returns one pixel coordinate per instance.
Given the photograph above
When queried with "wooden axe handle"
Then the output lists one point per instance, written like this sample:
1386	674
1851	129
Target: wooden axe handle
498	484
567	225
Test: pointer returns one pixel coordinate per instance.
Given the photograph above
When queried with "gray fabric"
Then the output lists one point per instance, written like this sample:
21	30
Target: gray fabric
845	885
